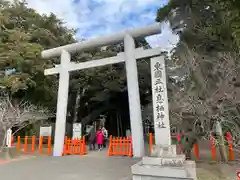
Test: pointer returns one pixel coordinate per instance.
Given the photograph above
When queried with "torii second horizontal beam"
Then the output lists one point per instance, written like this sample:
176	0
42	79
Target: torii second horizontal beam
102	41
139	54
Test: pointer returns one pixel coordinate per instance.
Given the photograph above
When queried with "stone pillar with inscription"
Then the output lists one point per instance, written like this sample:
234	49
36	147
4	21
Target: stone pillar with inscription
164	163
160	102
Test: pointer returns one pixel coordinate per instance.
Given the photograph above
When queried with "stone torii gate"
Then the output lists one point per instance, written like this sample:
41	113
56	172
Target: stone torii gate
129	56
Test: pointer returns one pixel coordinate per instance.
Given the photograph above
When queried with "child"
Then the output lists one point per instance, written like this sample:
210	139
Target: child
99	138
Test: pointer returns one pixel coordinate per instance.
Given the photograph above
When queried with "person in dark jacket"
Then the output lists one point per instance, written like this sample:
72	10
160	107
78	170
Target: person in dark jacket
92	138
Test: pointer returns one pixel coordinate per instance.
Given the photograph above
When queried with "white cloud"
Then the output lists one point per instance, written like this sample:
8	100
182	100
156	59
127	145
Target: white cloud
166	40
99	17
63	10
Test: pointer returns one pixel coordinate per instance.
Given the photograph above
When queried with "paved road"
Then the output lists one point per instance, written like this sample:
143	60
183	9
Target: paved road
95	166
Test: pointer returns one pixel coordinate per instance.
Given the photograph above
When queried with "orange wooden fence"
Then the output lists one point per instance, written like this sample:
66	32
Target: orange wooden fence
196	147
174	136
33	144
121	146
75	146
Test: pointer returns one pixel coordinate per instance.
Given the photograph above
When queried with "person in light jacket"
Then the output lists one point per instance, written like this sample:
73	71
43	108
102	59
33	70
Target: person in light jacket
105	133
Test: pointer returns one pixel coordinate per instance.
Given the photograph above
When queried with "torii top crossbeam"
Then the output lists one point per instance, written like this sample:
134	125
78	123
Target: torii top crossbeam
102	41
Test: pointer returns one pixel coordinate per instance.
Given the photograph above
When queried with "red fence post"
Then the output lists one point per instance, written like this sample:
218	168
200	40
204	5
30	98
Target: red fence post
40	144
178	137
12	141
150	142
33	143
25	144
130	154
110	148
196	151
49	145
18	143
230	146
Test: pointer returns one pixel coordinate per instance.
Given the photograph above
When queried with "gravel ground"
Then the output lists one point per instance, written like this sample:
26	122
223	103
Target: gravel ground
96	166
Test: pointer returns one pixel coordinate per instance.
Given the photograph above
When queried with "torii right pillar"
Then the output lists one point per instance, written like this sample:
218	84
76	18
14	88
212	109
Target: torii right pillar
133	97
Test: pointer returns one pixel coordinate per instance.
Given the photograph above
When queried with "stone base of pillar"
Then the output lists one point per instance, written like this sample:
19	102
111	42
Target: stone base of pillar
164	164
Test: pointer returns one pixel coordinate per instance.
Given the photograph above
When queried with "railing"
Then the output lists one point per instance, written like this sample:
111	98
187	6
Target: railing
75	146
121	146
196	150
43	145
31	144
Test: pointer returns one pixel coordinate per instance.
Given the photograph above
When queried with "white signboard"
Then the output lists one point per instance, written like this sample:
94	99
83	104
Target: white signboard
77	130
46	131
160	101
9	138
128	132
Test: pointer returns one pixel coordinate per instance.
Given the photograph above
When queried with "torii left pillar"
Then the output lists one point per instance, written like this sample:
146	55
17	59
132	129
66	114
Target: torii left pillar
62	102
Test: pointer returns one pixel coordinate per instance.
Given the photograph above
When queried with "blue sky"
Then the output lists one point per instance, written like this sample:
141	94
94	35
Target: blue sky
93	18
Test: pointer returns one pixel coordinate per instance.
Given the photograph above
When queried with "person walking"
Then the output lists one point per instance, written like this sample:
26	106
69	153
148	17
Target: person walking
92	138
105	134
99	138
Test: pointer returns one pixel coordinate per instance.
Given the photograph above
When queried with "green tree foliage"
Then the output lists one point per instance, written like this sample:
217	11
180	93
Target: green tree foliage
23	35
214	21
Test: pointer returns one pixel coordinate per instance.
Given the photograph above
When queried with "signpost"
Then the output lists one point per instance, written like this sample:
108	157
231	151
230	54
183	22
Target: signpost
46	131
77	130
9	138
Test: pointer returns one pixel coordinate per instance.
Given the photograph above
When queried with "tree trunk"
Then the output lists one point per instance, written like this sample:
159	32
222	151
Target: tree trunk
190	138
80	93
222	147
5	151
3	142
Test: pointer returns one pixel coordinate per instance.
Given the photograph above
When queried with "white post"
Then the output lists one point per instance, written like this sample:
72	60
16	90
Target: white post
133	97
9	138
60	126
160	102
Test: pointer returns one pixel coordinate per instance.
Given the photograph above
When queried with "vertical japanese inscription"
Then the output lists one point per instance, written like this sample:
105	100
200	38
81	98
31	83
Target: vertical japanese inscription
158	94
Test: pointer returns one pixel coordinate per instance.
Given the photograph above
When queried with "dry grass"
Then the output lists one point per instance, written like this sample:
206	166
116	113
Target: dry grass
218	171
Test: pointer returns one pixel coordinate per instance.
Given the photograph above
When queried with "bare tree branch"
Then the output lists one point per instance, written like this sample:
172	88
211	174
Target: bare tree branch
19	115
